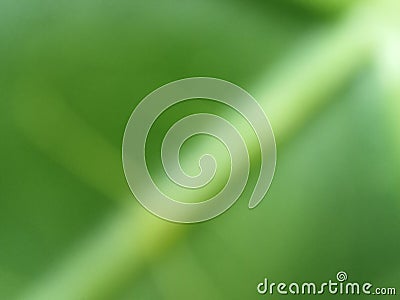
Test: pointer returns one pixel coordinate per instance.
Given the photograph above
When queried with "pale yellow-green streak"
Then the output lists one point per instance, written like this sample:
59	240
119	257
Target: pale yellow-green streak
290	93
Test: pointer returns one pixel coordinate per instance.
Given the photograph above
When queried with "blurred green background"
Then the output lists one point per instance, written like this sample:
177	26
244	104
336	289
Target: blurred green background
71	72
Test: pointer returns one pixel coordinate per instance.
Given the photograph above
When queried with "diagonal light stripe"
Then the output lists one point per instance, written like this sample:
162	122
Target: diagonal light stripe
291	96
